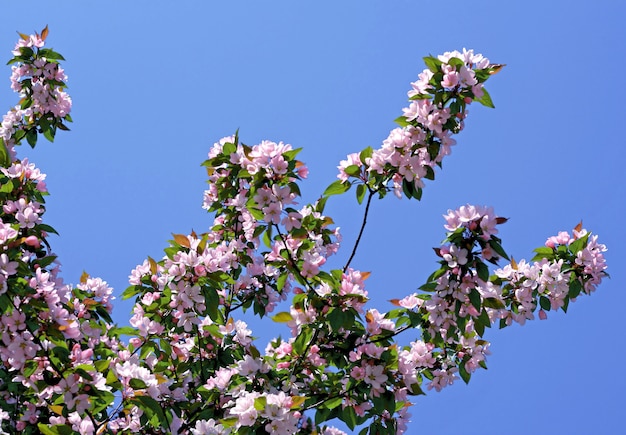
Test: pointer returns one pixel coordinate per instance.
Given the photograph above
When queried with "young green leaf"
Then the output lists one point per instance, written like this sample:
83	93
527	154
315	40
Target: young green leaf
338	187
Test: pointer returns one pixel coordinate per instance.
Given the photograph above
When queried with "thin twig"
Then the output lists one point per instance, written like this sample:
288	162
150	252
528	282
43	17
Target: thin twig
358	239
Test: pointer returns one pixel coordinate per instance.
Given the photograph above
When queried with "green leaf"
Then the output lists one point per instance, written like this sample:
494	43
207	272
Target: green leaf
402	122
456	62
418	194
260	403
575	287
493	303
498	249
366	154
479	326
105	399
282	317
31	137
429	287
137	384
437	273
131	291
416	390
302	341
289	155
579	244
294	188
321	204
408	187
430	173
433	63
29	368
336	318
267	237
255	212
50	54
5	303
5	160
103	313
229	422
485	100
465	375
348	416
323	414
26	52
48	133
544	302
212	303
26	103
475	299
229	148
7	187
483	320
58	429
353	170
47	229
150	406
46	261
421	97
543	252
360	193
333	403
483	270
338	187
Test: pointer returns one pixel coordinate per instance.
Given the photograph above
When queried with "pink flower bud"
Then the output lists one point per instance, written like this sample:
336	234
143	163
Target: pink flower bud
32	241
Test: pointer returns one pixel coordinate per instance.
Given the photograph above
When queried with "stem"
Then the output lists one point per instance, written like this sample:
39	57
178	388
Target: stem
199	336
396	332
358	239
300	361
292	258
320	402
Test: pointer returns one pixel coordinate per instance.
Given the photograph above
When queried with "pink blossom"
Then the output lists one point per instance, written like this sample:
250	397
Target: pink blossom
352	160
375	376
450	76
245	410
421	86
376	322
209	427
271	213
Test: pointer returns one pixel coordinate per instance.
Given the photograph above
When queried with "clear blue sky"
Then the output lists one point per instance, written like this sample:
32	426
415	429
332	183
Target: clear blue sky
155	83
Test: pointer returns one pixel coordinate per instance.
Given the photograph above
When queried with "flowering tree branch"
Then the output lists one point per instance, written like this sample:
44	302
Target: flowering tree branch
189	366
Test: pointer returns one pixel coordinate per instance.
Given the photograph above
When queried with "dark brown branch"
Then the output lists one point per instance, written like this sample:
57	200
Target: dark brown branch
358	239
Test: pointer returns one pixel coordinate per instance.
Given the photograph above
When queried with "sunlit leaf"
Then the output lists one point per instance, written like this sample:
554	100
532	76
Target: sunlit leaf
282	317
496	68
336	188
181	240
84	277
578	227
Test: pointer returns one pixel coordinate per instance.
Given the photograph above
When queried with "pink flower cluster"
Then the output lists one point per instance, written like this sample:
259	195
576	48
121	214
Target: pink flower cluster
462	299
552	280
437	110
40	82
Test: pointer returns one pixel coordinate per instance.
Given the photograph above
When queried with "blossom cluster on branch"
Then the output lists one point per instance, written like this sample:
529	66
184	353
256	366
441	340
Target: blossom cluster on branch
190	365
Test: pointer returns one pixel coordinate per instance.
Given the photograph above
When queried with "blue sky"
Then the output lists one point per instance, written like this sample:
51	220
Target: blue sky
155	83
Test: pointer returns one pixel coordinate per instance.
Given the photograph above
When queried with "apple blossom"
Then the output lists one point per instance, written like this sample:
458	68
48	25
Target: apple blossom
190	366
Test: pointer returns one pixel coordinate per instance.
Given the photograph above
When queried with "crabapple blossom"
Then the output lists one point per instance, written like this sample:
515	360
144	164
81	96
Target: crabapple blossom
190	365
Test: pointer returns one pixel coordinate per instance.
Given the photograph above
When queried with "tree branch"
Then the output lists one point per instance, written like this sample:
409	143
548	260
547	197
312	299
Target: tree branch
358	239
